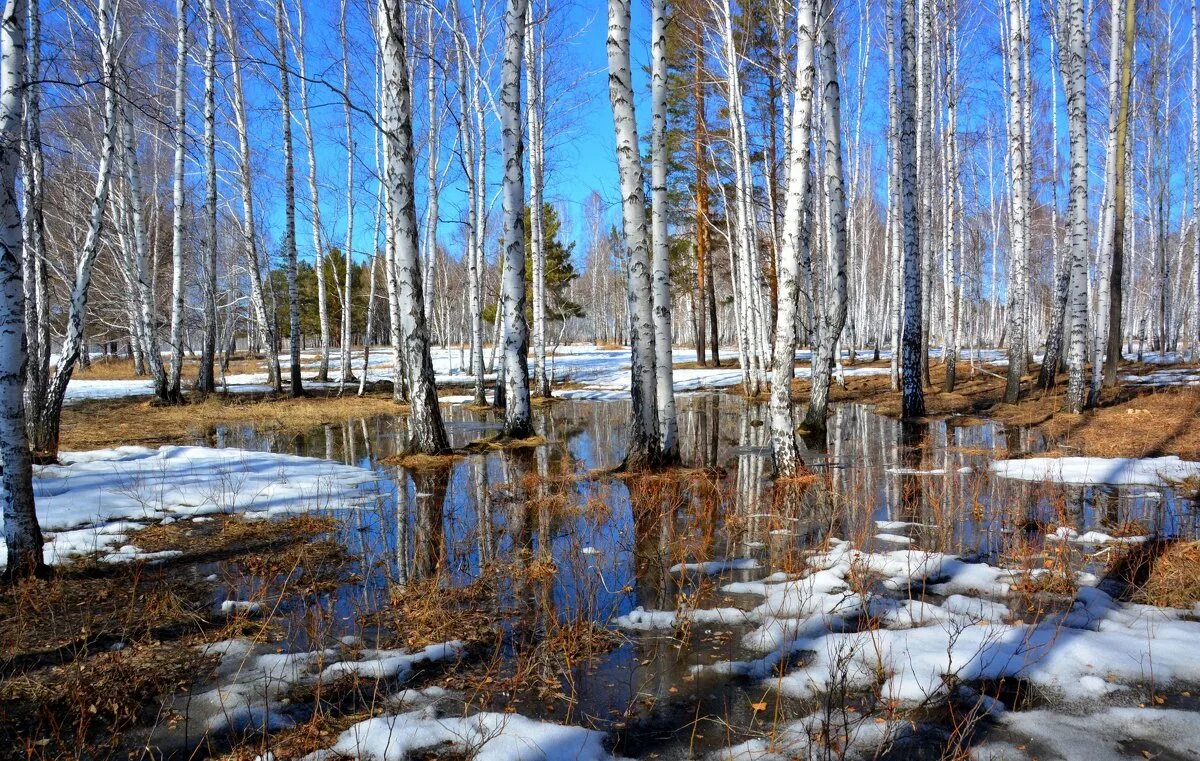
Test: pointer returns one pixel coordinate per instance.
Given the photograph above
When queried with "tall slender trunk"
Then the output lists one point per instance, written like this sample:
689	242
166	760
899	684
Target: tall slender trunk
894	220
1019	204
46	429
258	300
22	536
1116	233
701	161
206	381
668	426
466	89
289	191
913	397
178	201
36	281
644	444
833	315
518	420
1078	214
426	431
143	295
536	127
318	242
347	374
783	423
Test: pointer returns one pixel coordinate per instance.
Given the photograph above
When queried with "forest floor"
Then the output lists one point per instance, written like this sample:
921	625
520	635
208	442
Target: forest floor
1133	420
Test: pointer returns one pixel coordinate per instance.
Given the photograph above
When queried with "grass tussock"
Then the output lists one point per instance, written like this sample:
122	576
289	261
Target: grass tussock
1167	576
97	424
425	612
85	704
496	443
419	461
228	534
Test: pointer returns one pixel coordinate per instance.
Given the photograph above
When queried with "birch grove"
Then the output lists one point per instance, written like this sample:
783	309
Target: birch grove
953	195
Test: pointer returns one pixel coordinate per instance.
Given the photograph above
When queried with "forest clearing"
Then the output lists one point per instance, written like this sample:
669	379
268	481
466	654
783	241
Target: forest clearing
546	380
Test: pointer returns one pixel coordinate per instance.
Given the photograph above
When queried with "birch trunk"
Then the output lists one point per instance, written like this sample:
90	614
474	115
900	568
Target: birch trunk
1079	235
178	201
783	422
314	201
289	190
143	294
518	421
1116	232
22	536
206	382
537	233
913	398
258	301
46	430
833	315
644	445
894	220
37	287
347	374
466	90
427	433
1018	206
668	430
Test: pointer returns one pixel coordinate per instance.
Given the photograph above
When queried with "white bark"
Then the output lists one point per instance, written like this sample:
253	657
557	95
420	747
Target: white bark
783	422
535	111
833	315
1019	202
346	374
518	420
258	301
913	400
427	433
21	532
289	190
178	199
1076	87
206	382
314	196
661	290
644	444
45	438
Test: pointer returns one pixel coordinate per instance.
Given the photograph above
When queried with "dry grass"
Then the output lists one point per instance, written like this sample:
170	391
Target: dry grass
103	423
121	368
420	461
1168	577
425	612
1130	422
496	443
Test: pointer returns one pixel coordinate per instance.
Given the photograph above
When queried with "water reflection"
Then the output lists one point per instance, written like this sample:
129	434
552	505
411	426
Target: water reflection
568	543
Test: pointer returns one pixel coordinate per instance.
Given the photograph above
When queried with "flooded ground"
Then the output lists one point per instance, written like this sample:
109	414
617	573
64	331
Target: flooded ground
558	574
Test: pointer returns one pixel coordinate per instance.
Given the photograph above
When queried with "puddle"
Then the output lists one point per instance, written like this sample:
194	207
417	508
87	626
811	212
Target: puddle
564	545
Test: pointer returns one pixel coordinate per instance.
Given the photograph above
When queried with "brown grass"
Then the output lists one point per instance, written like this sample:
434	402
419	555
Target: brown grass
426	612
420	461
1130	421
120	368
103	423
1173	577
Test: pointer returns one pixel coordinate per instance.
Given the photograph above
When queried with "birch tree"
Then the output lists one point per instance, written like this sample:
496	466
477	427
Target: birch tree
644	443
426	431
314	196
22	535
661	261
249	233
783	423
833	314
518	419
913	393
1078	213
1114	242
536	129
289	194
46	428
178	200
1018	274
206	381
